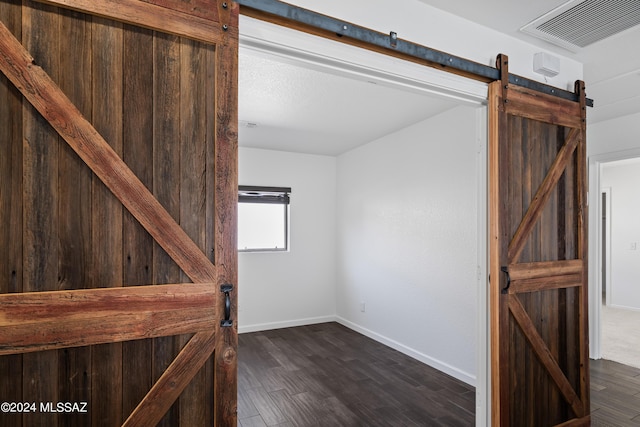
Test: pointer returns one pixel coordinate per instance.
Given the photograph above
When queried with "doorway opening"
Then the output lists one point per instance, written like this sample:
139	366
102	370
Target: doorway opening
600	261
369	178
619	315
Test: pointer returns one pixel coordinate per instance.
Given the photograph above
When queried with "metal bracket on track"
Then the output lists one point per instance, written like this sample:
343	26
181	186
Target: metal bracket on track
287	14
502	64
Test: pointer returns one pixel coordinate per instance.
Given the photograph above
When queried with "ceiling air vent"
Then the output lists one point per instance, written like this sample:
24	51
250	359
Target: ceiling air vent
579	23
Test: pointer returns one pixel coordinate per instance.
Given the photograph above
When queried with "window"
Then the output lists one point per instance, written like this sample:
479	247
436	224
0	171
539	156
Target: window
263	218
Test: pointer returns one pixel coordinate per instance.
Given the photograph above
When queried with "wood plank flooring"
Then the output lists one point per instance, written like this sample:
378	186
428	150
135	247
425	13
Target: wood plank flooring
329	375
615	394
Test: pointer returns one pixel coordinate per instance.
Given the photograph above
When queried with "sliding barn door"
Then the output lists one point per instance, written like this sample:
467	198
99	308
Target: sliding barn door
540	369
118	195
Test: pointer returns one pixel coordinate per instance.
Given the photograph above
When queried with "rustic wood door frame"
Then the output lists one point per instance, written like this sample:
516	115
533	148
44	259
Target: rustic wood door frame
191	308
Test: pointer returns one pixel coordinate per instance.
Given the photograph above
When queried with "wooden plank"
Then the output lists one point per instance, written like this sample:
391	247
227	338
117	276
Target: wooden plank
147	15
210	207
498	406
541	269
193	193
543	108
583	248
545	283
36	321
225	225
546	358
538	276
201	8
107	214
11	206
166	182
542	195
40	180
74	206
164	392
40	91
137	243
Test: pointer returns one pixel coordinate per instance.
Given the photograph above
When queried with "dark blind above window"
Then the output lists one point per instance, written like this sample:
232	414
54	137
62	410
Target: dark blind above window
256	194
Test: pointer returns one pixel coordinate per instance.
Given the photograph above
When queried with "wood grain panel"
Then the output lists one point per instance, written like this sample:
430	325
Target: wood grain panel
147	15
162	119
200	8
193	194
539	202
38	321
225	226
40	180
166	182
41	92
547	283
541	269
11	206
543	108
531	277
498	412
535	232
545	356
137	243
74	205
107	214
173	381
582	247
210	207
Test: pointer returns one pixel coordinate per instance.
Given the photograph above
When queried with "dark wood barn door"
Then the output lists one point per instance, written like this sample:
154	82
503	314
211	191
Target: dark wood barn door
118	196
538	247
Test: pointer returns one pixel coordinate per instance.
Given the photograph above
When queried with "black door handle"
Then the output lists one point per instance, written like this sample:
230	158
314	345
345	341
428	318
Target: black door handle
226	322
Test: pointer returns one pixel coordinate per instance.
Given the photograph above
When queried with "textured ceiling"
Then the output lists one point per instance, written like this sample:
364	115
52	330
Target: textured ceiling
291	107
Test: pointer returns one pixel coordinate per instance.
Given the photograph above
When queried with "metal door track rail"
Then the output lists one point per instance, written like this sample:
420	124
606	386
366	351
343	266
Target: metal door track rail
277	11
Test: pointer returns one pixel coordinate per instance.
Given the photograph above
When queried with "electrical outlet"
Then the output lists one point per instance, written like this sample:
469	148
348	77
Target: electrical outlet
633	246
362	307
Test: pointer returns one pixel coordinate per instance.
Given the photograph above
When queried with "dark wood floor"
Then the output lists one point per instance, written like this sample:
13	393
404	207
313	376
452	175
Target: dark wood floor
328	375
615	394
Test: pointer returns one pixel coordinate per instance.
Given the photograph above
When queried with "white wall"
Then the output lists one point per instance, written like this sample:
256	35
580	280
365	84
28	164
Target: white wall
614	135
623	179
282	289
607	141
407	241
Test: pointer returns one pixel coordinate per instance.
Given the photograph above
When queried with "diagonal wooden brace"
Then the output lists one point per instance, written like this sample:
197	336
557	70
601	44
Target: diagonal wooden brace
542	196
544	355
173	381
49	100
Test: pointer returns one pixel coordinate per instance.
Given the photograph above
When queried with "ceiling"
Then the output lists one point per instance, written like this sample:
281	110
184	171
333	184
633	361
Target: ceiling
611	66
280	110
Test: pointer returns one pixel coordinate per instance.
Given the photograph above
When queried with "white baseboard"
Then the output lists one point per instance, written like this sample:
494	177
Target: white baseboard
286	324
623	307
434	363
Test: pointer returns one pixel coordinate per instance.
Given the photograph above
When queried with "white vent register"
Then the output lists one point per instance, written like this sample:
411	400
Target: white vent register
580	23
